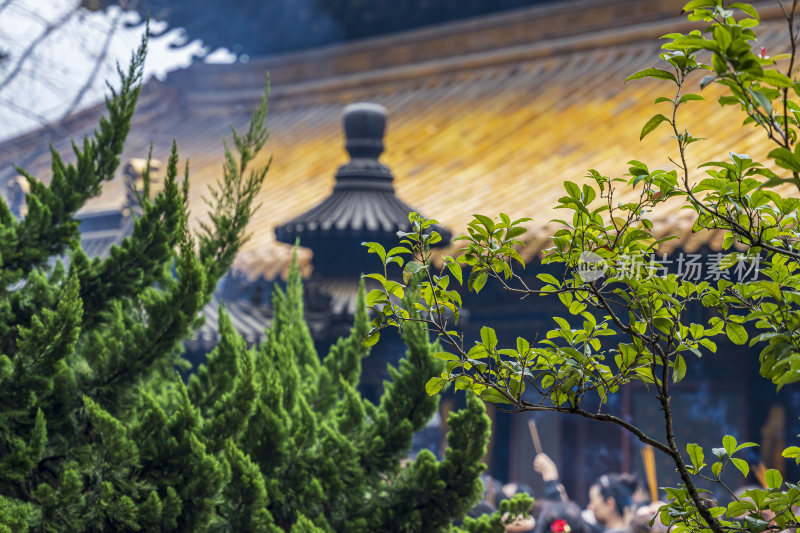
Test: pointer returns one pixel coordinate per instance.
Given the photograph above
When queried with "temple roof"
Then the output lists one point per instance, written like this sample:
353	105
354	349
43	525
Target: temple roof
497	128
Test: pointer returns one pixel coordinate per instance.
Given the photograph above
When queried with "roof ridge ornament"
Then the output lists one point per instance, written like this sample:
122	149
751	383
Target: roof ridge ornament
364	127
363	205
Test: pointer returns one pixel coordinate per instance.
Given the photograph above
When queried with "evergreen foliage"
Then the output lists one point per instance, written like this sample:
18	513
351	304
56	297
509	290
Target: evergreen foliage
99	433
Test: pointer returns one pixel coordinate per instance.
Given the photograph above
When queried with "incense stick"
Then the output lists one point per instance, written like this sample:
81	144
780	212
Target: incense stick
760	471
537	444
649	460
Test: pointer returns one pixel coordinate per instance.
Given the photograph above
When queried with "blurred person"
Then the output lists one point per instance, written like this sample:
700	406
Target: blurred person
641	496
643	516
492	490
512	488
611	502
553	489
521	525
561	517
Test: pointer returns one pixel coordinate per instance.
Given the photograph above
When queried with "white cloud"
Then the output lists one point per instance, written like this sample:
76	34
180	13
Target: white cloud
220	56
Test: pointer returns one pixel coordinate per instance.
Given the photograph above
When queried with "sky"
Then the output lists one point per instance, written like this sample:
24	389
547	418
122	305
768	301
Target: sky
59	56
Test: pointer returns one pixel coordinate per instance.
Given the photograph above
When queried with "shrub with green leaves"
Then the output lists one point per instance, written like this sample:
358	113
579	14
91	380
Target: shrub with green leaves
99	433
624	324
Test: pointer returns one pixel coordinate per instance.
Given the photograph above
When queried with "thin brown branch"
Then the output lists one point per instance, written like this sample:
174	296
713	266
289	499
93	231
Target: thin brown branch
600	417
101	57
664	396
26	54
5	5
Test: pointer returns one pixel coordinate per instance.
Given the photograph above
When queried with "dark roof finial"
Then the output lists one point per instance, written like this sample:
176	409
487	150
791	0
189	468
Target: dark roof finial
364	126
363	205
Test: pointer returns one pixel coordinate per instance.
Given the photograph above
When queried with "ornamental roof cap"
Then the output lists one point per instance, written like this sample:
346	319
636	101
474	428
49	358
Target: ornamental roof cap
363	204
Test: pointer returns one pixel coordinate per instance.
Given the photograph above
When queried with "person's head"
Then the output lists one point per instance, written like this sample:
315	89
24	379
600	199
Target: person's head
611	498
561	517
510	489
641	496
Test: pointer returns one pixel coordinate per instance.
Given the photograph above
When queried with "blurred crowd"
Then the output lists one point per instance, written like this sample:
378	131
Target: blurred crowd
617	503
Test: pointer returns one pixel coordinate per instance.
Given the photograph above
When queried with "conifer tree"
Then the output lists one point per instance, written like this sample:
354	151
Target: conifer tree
99	433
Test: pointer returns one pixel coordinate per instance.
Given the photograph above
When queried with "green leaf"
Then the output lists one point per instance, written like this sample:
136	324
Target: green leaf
663	324
739	507
513	233
652	73
792	452
588	194
744	445
746	8
432	238
434	385
562	322
477	352
374	296
652	124
736	333
756	524
480	281
695	454
464	383
707	80
679	370
487	222
772	289
785	158
394	288
729	442
716	468
709	344
489	338
728	261
376	248
446	356
548	278
378	277
572	190
728	100
773	77
742	465
576	307
773	478
522	346
372	337
398	250
411	268
728	240
492	396
762	100
690	96
455	270
695	4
